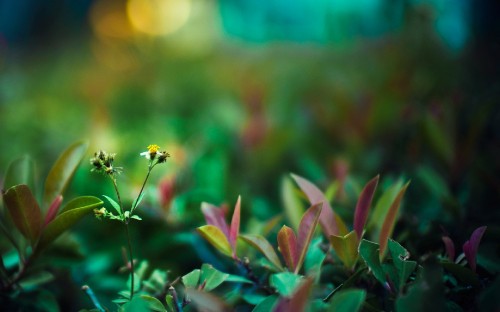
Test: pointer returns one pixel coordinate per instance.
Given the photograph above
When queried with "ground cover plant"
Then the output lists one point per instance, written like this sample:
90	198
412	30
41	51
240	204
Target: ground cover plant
313	260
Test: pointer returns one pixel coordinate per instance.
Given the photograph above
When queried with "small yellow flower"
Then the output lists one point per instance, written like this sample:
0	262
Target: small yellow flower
153	148
151	152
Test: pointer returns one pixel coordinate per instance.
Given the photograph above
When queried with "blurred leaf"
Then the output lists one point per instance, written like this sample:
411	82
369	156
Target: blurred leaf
383	205
287	243
266	305
314	258
292	205
471	246
261	244
363	206
20	171
298	300
215	216
438	139
465	275
330	223
434	182
450	248
71	213
206	301
426	294
115	205
62	171
217	238
285	282
36	279
346	248
349	300
136	304
399	258
307	226
153	304
369	251
238	279
390	220
235	226
24	211
211	277
53	209
191	279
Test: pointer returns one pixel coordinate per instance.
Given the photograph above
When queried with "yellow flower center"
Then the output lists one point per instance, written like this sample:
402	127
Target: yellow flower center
153	148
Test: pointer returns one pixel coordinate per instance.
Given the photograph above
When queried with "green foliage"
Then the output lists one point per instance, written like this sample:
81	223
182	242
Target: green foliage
350	300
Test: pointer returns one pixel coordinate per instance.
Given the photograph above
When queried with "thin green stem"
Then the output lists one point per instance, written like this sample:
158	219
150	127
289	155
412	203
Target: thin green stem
117	195
136	202
131	261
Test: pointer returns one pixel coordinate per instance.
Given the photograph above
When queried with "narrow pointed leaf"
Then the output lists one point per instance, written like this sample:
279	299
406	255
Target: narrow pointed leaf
114	204
471	246
211	278
349	300
363	206
191	279
346	248
450	248
390	220
71	213
267	304
330	223
235	226
217	238
262	245
382	206
24	211
291	202
20	171
62	171
215	216
306	231
298	301
287	243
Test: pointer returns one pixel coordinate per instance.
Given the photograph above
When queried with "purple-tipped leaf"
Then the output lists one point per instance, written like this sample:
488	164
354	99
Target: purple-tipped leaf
330	223
261	244
215	237
307	226
450	248
390	220
53	209
215	216
287	243
363	206
235	226
471	246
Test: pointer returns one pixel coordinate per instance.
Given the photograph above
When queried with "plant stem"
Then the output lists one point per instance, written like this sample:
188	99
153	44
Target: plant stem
131	262
117	195
136	202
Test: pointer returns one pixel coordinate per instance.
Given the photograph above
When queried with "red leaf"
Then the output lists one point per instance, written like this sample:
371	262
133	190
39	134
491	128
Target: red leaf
363	206
329	223
390	220
298	301
471	246
306	230
235	226
53	209
450	248
215	216
287	243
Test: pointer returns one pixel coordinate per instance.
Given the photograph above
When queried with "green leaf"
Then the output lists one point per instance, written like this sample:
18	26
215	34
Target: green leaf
262	245
62	171
349	300
114	204
20	171
153	303
382	206
299	298
314	258
210	277
306	231
191	279
399	258
465	275
169	300
238	279
24	211
70	214
369	251
291	202
138	200
390	220
285	282
266	305
36	279
346	248
217	238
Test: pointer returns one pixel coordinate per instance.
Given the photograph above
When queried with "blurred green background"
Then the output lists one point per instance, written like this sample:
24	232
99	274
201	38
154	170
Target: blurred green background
241	93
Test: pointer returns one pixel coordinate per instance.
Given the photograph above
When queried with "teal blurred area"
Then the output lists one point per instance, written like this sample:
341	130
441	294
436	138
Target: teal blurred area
241	93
